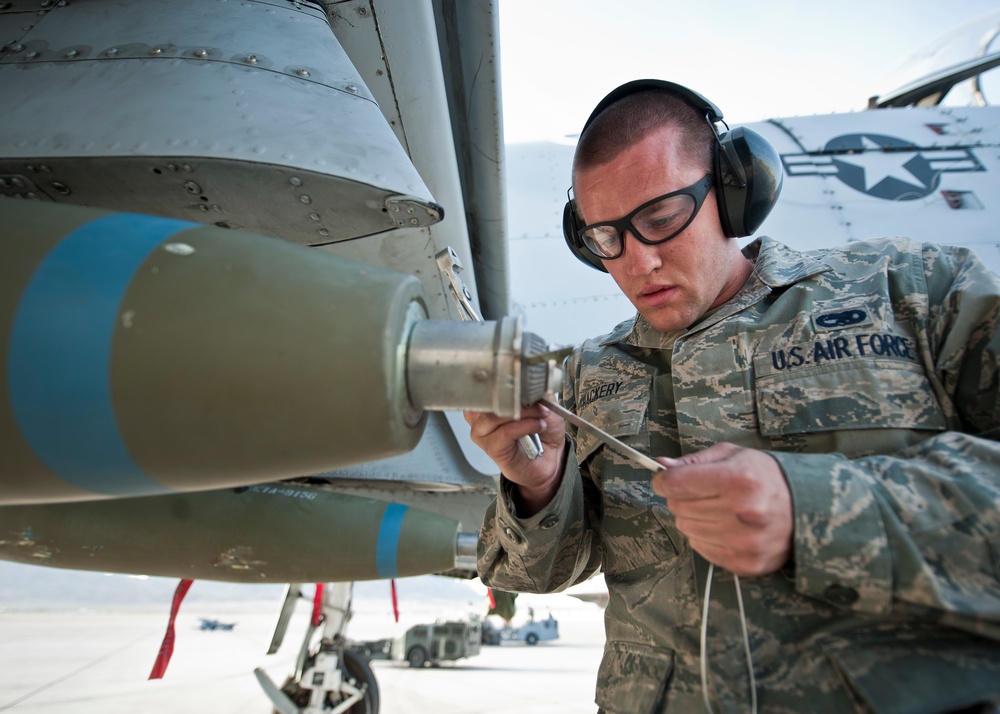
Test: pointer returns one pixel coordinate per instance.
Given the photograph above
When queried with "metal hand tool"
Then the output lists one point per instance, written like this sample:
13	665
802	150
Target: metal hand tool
621	447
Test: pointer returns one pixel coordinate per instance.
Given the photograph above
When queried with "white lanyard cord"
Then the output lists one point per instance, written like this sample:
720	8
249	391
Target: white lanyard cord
704	639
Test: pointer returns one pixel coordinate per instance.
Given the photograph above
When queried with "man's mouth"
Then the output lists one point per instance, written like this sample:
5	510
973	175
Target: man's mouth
654	295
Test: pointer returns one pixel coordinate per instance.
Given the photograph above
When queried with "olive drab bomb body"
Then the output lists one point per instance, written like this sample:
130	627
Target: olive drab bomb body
149	356
268	533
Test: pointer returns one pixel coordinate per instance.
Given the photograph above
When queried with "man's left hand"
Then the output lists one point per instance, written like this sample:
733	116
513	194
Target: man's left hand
734	506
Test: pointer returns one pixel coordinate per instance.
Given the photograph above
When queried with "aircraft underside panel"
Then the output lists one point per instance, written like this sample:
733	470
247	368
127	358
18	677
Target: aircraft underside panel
202	111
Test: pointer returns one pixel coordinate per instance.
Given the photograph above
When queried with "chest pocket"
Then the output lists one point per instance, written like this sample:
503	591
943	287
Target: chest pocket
632	529
854	381
618	406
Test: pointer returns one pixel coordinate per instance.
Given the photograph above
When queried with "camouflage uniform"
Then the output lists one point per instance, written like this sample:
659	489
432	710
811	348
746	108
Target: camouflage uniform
871	374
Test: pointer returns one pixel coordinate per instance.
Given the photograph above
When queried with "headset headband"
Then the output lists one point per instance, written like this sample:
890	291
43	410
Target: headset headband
747	169
712	112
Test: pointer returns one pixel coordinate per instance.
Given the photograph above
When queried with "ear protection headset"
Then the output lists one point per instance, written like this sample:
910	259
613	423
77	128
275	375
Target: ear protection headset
747	170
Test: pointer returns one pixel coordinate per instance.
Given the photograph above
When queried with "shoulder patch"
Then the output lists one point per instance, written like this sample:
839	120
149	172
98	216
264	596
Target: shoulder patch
837	319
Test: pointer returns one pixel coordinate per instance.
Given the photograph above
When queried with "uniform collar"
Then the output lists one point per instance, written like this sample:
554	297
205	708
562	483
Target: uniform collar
776	266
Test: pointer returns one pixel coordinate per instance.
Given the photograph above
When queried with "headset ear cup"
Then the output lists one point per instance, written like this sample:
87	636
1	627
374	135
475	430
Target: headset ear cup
723	196
744	204
571	232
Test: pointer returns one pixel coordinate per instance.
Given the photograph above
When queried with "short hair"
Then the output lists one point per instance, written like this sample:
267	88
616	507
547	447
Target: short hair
635	116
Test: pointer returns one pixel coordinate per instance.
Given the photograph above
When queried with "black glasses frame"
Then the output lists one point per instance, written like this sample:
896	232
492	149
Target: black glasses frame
698	191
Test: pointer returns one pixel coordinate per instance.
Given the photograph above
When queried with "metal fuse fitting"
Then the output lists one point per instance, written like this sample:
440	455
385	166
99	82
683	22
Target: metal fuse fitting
473	366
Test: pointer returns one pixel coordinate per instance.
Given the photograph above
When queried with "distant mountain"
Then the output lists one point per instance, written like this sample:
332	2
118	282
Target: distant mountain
25	586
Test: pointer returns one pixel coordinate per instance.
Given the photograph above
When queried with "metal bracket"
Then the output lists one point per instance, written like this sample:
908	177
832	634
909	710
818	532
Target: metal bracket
450	266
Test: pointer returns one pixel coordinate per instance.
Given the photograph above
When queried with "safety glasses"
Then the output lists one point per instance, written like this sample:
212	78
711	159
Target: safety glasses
652	223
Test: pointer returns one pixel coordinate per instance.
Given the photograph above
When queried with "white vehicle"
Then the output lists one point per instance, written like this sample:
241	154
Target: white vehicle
532	632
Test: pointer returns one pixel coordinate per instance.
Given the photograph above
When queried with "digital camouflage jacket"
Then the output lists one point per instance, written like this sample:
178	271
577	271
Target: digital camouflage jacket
871	373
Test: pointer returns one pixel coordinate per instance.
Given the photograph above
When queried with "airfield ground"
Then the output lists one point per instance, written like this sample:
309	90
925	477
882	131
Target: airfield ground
90	660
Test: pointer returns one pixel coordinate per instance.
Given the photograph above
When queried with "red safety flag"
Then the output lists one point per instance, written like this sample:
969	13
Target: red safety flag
167	646
491	599
395	602
317	615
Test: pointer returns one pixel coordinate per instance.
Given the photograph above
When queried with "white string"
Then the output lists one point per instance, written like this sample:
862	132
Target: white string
704	639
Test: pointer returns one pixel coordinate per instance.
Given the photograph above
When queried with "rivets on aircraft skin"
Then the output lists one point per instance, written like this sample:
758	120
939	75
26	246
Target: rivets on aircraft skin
112	51
306	199
191	187
295	181
61	188
250	59
71	54
200	53
353	89
324	232
156	51
302	72
32	55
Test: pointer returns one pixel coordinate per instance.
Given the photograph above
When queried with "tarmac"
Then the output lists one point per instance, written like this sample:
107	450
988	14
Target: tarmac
89	660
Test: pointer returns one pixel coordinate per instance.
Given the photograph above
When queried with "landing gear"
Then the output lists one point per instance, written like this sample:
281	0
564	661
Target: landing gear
357	688
328	677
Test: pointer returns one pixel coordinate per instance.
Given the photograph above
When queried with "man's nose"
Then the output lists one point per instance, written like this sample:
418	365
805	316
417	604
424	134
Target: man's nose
640	258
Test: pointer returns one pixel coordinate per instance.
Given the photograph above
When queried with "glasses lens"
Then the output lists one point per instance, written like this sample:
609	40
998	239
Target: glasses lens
664	219
603	241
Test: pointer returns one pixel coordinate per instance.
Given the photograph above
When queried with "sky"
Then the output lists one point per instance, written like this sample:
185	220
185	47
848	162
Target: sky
753	59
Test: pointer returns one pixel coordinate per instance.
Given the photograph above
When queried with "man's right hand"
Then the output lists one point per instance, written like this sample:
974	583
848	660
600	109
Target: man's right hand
537	480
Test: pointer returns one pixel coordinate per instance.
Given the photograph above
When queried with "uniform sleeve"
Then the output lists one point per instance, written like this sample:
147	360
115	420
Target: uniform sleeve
918	531
553	549
545	553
